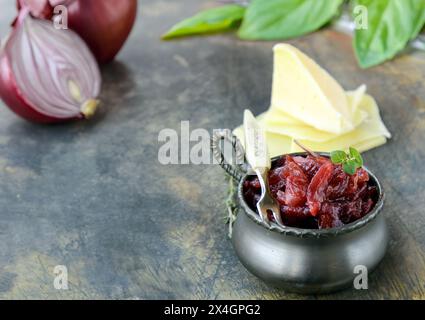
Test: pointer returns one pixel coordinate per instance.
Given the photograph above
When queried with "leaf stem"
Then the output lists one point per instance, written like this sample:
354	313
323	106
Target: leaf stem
314	154
231	206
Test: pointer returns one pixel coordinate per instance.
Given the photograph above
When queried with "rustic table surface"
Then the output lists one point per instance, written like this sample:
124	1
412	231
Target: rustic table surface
92	195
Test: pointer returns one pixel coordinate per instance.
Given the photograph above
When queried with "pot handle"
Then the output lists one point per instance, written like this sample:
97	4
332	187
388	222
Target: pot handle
237	167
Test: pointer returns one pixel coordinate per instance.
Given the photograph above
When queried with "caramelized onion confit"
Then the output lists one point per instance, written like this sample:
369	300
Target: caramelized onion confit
314	193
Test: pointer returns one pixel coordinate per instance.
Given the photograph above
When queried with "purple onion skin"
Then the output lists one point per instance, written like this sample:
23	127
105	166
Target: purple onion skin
103	24
41	9
18	100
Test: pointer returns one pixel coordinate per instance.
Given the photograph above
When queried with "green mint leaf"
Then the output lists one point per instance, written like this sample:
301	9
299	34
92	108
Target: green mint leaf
283	19
338	156
349	167
213	20
350	162
354	154
391	24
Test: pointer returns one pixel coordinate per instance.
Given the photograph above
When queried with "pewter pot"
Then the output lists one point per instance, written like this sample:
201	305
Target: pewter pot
304	260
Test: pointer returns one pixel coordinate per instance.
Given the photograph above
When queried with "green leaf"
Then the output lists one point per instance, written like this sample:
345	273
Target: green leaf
338	156
354	154
391	24
349	167
283	19
208	21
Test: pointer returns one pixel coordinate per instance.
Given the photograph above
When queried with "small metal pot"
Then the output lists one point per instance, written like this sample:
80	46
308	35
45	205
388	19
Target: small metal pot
304	260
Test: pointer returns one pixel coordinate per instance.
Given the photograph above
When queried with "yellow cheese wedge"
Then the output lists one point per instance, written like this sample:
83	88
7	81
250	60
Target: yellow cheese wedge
300	132
276	115
354	99
279	122
277	144
305	91
371	133
370	144
310	106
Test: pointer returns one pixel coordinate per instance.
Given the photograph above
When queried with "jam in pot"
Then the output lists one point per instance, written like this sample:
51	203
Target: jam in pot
314	193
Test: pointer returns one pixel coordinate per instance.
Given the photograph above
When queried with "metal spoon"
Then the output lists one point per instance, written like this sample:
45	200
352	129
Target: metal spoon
258	157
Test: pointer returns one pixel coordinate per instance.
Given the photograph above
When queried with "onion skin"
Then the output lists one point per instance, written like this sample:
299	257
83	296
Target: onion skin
39	8
103	24
18	100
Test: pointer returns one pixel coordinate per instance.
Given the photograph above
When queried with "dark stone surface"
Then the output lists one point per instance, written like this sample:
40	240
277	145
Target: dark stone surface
93	196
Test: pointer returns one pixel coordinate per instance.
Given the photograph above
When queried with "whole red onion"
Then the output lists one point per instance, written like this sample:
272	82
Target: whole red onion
103	24
47	75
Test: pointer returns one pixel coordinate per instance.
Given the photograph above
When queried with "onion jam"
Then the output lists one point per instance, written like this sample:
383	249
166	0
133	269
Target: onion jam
314	193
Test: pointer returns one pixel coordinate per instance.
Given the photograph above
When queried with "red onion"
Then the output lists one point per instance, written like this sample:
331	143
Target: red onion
39	8
47	75
103	24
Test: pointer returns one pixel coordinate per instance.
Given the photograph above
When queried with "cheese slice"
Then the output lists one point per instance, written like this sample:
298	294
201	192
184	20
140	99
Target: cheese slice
310	106
280	122
300	132
277	144
370	144
305	91
354	99
371	133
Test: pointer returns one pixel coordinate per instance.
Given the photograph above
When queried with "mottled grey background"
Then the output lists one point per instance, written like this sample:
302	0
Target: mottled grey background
93	196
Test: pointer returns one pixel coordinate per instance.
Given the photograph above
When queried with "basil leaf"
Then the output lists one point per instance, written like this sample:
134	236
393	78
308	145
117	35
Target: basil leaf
354	154
391	24
349	168
208	21
283	19
338	156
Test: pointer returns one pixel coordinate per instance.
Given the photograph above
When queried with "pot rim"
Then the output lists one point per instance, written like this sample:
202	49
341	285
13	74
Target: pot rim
316	233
